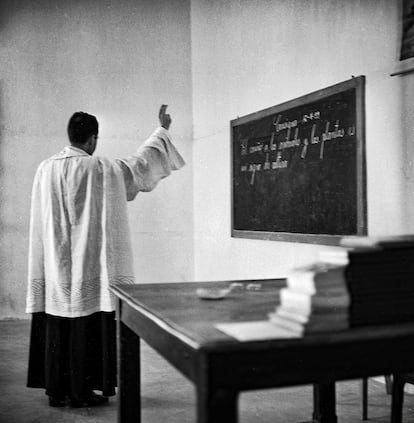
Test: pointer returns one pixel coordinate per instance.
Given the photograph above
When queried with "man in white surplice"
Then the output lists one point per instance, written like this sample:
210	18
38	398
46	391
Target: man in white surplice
80	243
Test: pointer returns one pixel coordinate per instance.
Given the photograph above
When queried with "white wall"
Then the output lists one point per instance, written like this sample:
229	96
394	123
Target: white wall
248	56
118	60
211	61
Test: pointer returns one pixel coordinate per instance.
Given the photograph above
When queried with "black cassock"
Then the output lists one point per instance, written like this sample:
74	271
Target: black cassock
73	356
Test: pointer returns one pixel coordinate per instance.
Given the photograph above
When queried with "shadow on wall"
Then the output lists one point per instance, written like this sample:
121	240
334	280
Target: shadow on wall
10	8
6	301
4	298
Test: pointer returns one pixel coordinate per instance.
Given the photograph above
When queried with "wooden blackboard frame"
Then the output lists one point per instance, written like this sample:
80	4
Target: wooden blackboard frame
356	83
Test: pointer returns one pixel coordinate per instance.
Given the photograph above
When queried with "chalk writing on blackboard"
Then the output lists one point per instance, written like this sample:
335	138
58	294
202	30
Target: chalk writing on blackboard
299	168
287	142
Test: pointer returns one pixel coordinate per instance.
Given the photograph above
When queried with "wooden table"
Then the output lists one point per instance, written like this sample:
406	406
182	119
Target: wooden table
180	326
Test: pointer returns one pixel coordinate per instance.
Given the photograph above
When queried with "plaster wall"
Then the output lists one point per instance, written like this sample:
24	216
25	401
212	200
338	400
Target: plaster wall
119	60
247	56
211	61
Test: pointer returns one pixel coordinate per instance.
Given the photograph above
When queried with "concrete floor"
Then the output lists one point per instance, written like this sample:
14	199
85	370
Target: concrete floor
168	396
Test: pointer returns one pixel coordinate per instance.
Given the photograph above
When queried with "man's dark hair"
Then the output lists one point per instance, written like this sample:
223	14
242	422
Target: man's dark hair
81	126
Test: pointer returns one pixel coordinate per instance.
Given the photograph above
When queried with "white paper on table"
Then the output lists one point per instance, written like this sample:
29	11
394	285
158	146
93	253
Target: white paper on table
255	331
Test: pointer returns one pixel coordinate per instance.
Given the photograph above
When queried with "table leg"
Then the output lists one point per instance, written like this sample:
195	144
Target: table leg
216	406
324	403
397	400
364	389
129	382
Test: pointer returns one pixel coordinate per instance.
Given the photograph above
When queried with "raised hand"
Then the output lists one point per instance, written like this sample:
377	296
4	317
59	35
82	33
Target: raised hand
165	119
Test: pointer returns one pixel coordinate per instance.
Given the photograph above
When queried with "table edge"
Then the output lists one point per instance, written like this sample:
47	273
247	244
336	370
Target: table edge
156	319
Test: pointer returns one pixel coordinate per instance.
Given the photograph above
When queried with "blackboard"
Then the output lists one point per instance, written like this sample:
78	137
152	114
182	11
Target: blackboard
298	168
407	42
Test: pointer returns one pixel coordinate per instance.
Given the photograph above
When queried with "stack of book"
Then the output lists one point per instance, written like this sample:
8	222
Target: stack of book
380	277
315	300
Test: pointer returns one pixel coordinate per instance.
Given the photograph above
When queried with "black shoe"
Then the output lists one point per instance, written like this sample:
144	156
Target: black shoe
92	401
57	401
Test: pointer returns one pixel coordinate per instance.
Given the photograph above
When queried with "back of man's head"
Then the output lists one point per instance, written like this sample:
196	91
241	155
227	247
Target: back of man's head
81	126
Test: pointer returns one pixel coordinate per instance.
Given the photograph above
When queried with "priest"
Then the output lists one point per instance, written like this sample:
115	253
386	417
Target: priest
79	244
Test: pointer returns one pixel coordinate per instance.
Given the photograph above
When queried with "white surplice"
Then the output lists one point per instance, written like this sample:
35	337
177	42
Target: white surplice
79	232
